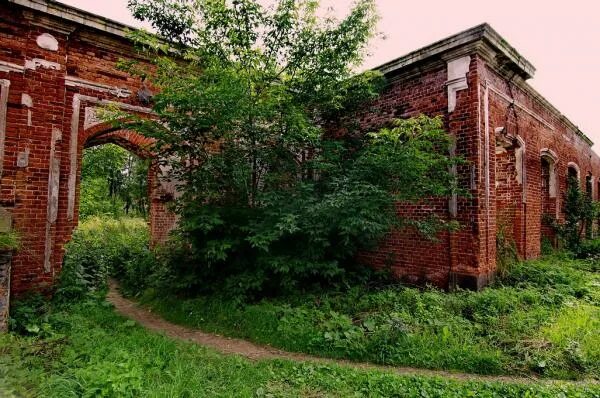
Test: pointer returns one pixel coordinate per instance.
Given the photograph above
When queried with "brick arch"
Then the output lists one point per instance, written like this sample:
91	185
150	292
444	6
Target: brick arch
160	219
128	139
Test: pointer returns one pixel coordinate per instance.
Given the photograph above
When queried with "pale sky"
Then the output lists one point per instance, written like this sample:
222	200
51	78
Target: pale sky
561	39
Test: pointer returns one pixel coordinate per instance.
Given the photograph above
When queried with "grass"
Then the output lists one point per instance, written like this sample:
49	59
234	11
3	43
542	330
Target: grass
86	350
9	241
542	318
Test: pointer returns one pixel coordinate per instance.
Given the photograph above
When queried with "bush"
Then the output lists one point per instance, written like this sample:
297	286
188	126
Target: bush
589	249
100	248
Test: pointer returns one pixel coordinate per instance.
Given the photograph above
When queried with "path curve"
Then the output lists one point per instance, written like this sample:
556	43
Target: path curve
227	345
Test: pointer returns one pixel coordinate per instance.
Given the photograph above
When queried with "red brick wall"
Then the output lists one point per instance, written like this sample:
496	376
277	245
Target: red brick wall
541	128
85	54
497	118
462	253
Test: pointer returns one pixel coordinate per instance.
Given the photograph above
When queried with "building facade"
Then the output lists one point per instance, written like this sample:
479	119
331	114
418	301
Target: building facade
58	67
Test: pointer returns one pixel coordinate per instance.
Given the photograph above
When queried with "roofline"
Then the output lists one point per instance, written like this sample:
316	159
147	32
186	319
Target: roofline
77	15
482	32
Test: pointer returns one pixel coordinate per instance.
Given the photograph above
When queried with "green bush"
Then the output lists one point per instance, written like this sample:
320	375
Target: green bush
589	249
100	248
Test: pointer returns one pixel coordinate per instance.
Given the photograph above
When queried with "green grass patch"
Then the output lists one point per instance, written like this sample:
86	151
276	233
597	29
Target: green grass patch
9	241
524	324
86	350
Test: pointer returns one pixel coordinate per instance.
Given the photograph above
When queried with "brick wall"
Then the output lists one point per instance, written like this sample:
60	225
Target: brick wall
55	72
59	72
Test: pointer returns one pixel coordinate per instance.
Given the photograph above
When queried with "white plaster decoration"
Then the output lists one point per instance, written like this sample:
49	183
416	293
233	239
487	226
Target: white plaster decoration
4	85
520	166
72	181
10	67
26	100
53	191
552	158
47	42
119	92
73	142
23	158
41	63
91	118
457	79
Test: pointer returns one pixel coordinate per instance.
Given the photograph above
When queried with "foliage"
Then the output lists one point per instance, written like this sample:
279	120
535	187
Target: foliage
309	234
523	324
114	182
93	352
589	249
580	212
99	248
278	187
506	250
10	240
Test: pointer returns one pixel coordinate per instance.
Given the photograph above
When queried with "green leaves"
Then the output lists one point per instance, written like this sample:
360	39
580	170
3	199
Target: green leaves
269	199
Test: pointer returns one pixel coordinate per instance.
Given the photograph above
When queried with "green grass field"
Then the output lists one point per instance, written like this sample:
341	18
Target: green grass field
86	350
542	319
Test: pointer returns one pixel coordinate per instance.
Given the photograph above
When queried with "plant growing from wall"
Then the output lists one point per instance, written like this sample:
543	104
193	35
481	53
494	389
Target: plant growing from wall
9	241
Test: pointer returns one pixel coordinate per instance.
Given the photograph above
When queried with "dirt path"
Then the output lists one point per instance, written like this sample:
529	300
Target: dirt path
226	345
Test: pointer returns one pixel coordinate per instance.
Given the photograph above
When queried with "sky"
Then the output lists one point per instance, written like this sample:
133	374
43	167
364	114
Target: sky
561	39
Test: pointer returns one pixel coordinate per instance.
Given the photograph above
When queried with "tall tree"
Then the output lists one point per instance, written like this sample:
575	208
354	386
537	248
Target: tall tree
246	117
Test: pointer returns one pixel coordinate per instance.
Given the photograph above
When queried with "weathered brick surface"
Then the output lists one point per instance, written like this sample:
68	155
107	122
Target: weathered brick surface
76	78
503	128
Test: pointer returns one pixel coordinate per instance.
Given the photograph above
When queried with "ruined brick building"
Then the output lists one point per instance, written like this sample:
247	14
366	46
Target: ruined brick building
58	67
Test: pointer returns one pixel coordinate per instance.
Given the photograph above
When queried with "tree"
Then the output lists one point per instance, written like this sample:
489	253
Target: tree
271	197
113	183
580	212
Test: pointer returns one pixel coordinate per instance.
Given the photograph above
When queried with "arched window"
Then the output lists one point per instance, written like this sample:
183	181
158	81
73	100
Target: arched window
572	174
548	169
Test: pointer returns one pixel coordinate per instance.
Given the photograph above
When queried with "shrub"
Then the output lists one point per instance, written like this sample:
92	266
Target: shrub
100	248
589	249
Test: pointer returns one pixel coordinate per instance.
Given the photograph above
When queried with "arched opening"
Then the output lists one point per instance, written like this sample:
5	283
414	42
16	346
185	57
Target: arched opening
158	191
572	174
548	194
114	182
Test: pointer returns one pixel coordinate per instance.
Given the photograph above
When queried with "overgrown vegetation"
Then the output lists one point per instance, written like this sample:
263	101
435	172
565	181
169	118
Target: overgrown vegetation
88	351
541	318
103	247
580	213
114	183
279	187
